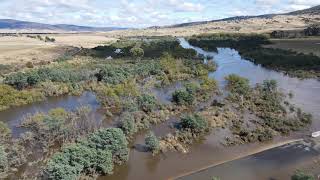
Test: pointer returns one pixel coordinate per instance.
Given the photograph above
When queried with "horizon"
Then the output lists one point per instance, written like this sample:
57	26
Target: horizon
141	13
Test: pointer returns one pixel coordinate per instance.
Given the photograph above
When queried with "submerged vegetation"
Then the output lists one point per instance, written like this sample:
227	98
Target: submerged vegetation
73	145
250	46
267	103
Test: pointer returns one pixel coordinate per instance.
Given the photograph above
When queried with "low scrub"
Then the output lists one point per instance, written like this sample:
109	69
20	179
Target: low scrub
90	156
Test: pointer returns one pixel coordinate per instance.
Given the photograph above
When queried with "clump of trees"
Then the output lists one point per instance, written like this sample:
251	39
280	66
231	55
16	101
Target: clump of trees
95	154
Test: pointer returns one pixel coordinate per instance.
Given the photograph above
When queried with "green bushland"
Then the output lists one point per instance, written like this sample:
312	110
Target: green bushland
183	97
61	73
138	48
152	143
147	102
127	124
212	41
194	123
267	103
10	97
250	47
95	154
194	92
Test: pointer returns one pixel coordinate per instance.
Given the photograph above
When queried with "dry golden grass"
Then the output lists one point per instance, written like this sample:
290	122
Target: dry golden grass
253	25
21	49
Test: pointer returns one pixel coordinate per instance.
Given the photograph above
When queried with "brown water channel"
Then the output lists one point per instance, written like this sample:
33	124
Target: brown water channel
142	165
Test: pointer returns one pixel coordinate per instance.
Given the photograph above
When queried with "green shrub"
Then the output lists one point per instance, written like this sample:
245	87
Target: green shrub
127	124
17	80
183	97
137	52
147	102
10	97
112	139
152	143
195	123
300	175
95	154
237	84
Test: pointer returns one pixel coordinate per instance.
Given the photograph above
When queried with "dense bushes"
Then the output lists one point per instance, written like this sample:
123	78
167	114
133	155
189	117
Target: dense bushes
285	60
147	102
194	123
137	52
237	84
152	143
183	97
213	41
138	48
127	124
267	103
10	97
250	48
93	155
31	78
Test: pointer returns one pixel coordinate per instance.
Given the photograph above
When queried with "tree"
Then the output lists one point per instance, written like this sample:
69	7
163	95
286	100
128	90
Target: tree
112	139
183	97
237	84
147	102
127	124
152	143
137	52
195	123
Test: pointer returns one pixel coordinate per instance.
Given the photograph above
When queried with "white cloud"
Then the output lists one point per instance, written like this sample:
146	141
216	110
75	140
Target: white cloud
266	2
181	5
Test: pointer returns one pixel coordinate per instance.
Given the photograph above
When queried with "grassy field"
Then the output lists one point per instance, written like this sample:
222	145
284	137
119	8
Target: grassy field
305	45
19	50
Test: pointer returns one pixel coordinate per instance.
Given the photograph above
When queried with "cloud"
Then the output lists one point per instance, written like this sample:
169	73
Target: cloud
180	5
266	2
140	13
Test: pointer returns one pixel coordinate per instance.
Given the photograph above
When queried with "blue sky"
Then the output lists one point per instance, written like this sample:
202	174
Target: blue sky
141	13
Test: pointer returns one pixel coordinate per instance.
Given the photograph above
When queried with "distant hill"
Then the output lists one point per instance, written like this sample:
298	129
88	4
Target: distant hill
12	24
314	11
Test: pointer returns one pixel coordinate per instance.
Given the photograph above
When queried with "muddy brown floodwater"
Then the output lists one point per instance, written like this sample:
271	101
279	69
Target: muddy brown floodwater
14	116
209	151
143	165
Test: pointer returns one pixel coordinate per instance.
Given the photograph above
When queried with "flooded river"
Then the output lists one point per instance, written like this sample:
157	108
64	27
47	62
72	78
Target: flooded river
14	116
143	165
